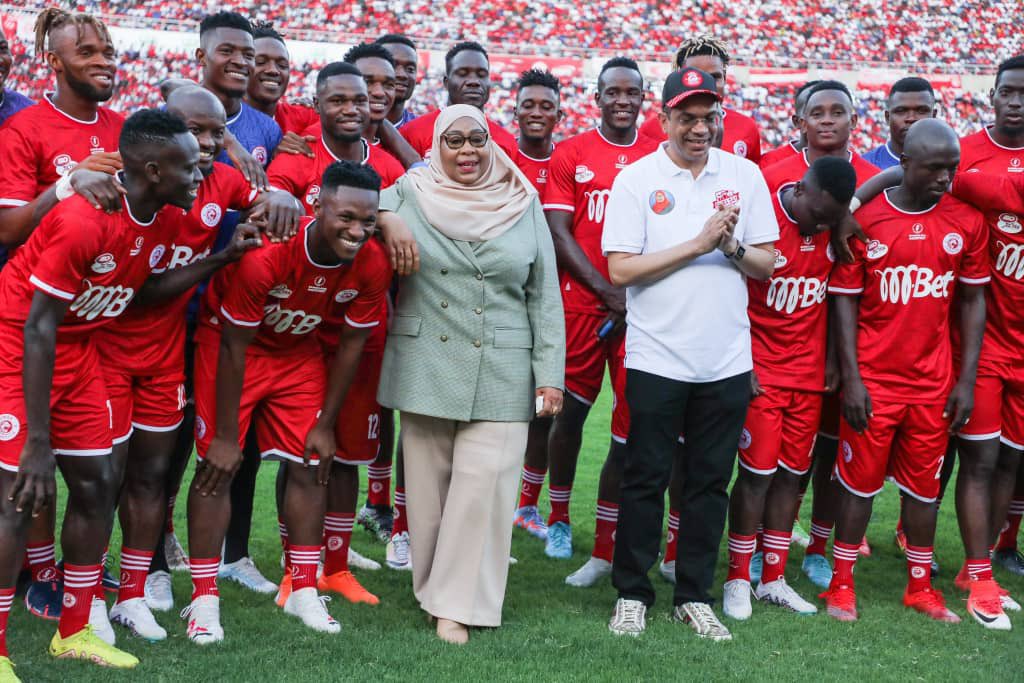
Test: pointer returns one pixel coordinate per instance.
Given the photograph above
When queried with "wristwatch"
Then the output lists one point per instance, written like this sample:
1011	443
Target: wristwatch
737	255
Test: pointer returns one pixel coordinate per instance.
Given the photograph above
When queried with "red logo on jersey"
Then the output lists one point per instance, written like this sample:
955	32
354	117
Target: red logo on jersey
725	198
312	193
156	255
780	260
318	285
211	214
953	243
662	202
9	427
346	295
1009	223
138	246
94	141
260	155
104	263
1015	164
622	161
745	438
917	232
808	243
876	250
740	149
691	79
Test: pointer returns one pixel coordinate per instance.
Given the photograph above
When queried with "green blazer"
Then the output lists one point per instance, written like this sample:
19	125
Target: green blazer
479	327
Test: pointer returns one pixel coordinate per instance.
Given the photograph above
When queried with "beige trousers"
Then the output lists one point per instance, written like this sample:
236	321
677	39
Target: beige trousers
461	484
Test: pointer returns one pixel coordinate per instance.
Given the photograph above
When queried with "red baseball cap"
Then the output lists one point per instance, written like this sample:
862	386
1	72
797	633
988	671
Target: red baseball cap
686	83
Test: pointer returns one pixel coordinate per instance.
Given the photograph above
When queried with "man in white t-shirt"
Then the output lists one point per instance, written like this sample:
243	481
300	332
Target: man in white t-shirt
684	227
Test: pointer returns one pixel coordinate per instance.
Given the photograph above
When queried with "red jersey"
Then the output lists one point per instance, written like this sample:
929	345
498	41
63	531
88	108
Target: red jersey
150	340
94	260
780	153
739	134
281	290
1004	321
904	277
420	134
40	144
788	313
583	169
294	118
793	169
300	177
534	169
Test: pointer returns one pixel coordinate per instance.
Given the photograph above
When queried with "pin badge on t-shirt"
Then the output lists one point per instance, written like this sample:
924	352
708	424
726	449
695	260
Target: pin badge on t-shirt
661	202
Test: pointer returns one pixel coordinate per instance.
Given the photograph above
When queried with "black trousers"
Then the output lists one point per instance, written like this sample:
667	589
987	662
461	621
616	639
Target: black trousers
710	416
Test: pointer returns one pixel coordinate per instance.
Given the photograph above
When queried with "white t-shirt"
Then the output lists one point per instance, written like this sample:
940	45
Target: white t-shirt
692	325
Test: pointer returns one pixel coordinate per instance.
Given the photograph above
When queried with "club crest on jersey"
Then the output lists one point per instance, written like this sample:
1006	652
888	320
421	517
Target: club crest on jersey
917	232
726	198
953	243
583	174
138	246
740	149
662	202
211	214
104	263
780	260
63	163
319	285
876	249
346	295
1015	166
622	161
745	438
312	194
157	254
1009	223
10	425
807	243
280	292
260	155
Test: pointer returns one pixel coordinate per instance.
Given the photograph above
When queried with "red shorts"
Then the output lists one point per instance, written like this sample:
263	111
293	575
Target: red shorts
585	358
282	393
357	430
998	405
80	417
780	430
829	424
905	443
152	404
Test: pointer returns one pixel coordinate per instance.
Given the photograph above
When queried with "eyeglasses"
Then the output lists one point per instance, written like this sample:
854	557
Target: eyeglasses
457	140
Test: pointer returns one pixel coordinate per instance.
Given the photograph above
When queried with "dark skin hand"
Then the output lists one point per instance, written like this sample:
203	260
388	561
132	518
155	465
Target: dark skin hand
277	214
971	301
856	403
245	162
849	227
101	189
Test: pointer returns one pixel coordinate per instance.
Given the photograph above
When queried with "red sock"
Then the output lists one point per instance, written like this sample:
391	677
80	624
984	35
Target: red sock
604	530
979	569
6	599
282	530
169	528
741	548
1008	534
844	556
559	496
41	560
378	483
919	567
337	537
400	523
204	576
776	553
101	592
672	540
533	482
79	588
134	568
303	560
820	533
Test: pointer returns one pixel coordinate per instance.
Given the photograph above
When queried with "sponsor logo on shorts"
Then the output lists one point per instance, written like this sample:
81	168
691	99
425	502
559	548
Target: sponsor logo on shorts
9	427
745	438
740	149
260	154
1009	223
772	558
726	198
104	263
953	243
319	285
346	295
138	246
876	249
847	450
661	202
583	174
211	214
280	292
200	427
157	254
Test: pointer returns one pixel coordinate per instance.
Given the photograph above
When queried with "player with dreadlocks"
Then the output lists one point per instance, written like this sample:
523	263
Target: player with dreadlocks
739	132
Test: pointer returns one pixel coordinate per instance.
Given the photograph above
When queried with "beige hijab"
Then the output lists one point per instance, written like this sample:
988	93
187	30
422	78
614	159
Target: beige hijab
477	212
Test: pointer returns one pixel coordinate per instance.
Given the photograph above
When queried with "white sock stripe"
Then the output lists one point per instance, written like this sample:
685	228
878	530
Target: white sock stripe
559	496
81	574
821	531
776	545
531	478
399	498
613	518
378	473
43	550
840	554
140	564
338	526
1017	507
203	571
742	546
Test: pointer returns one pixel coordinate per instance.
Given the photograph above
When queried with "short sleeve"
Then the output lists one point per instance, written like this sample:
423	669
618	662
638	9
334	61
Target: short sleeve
18	171
990	191
250	282
847	279
370	305
240	194
418	135
393	197
72	245
290	172
561	192
758	214
625	224
975	269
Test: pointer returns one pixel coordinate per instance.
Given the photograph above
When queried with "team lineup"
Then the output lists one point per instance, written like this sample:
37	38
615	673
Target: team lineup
246	277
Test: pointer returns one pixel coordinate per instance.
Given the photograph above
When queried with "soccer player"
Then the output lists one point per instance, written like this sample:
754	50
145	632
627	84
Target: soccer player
788	322
739	132
78	271
269	82
900	397
377	66
263	364
467	78
403	51
582	171
11	102
910	99
797	144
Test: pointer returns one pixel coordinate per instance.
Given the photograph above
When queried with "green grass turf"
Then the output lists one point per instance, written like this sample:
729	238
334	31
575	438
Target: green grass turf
554	632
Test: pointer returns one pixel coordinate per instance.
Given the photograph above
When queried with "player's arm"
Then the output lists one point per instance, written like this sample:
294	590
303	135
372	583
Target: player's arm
849	227
571	258
224	455
35	488
399	147
970	299
831	352
245	162
277	213
990	191
176	281
855	400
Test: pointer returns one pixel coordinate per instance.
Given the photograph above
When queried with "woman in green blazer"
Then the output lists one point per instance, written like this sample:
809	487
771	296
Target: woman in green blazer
476	348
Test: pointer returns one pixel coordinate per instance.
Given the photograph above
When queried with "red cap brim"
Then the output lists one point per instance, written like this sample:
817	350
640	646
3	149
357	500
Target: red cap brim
690	93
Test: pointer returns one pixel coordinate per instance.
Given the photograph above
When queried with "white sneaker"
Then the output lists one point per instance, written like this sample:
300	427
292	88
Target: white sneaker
780	593
100	622
159	596
312	609
629	618
702	619
177	558
735	599
1009	604
668	571
245	573
397	552
590	573
361	562
203	616
135	616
